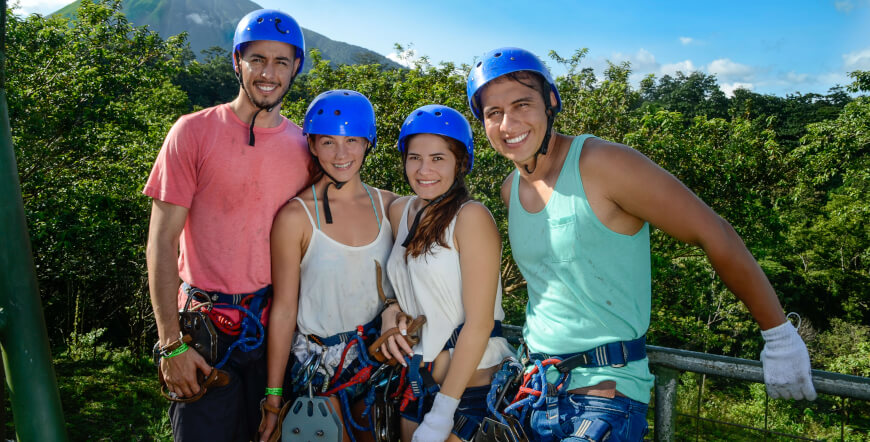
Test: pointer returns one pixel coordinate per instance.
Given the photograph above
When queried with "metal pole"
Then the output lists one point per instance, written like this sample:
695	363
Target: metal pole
30	377
665	403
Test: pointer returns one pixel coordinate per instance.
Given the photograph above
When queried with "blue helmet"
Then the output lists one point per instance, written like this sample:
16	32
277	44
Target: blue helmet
341	112
440	120
503	61
270	24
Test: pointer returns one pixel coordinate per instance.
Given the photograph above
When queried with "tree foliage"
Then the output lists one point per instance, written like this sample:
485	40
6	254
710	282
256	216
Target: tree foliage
91	100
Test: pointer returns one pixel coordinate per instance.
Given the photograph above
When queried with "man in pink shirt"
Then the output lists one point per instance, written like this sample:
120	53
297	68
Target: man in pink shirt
217	183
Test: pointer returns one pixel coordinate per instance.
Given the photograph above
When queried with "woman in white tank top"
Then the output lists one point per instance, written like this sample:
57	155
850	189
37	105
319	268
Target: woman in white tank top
444	265
325	245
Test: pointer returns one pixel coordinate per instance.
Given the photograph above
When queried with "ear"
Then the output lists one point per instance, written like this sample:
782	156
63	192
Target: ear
553	101
296	62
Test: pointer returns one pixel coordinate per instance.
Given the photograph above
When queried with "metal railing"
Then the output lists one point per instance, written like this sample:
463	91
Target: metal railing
669	363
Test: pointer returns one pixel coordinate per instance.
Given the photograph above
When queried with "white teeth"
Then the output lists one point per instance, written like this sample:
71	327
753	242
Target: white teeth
427	182
342	166
266	87
517	139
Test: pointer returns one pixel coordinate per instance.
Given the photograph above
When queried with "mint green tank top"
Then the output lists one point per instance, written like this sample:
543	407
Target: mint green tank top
587	284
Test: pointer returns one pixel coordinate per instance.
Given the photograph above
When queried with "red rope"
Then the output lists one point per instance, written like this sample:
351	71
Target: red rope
525	391
360	377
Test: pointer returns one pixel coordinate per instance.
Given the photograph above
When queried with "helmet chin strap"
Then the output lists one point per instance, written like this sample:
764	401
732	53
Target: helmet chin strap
437	200
251	99
546	143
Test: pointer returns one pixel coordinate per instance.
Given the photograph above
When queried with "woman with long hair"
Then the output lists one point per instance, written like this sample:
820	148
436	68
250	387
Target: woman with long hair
444	265
325	246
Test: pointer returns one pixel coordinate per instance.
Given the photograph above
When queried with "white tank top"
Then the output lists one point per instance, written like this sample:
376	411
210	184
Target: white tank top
338	284
431	285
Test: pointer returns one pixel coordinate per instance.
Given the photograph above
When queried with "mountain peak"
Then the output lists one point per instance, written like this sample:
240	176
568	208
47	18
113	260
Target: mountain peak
211	23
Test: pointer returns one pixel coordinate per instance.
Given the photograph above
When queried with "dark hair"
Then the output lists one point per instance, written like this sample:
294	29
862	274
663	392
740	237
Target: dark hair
433	224
315	172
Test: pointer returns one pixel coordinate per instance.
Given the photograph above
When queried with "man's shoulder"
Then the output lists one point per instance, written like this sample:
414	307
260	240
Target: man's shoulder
203	117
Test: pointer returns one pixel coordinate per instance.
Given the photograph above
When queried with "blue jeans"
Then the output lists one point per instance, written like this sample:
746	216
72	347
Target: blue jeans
575	417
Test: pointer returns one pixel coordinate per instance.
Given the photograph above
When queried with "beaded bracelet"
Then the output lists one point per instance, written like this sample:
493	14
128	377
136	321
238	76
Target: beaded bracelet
274	391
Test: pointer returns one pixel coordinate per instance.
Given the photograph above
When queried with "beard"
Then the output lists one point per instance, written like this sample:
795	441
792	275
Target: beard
266	103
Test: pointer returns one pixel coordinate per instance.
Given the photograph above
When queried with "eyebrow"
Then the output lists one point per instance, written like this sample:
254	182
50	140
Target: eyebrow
280	57
524	99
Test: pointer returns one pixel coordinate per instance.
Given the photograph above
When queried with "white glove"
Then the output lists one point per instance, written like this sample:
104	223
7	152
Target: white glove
786	364
438	422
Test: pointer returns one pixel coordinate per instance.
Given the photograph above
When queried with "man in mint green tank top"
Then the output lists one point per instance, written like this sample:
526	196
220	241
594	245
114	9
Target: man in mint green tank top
579	215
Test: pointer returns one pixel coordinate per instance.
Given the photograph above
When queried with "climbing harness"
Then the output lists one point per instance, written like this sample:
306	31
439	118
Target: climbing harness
499	427
202	310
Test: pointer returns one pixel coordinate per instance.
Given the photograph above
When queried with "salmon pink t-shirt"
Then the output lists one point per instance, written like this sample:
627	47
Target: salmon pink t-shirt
232	190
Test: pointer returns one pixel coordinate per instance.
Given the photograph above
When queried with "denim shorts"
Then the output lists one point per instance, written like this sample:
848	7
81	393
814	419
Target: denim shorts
575	417
468	416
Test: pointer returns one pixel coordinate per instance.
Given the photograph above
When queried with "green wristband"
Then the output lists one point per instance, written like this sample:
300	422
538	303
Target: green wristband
181	349
274	391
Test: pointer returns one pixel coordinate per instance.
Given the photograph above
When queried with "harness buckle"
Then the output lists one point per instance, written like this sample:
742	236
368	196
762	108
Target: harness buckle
624	356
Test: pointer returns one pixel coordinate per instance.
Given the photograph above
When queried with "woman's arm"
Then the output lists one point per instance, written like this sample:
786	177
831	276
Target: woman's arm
479	245
287	247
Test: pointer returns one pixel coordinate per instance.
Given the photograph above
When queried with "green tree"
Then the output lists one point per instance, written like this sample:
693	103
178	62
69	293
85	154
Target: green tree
89	104
692	95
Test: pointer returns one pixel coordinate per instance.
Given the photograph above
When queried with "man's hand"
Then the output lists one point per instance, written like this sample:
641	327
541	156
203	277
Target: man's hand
180	373
786	364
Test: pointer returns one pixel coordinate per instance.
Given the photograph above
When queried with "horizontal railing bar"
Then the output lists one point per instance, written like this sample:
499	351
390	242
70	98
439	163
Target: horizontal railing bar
837	384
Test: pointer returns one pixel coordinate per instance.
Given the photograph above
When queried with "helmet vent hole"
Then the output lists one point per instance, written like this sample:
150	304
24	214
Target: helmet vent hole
337	112
419	113
438	114
320	112
479	63
347	93
260	20
497	54
277	21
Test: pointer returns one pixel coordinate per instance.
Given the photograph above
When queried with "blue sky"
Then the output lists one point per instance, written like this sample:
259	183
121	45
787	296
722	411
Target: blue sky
771	47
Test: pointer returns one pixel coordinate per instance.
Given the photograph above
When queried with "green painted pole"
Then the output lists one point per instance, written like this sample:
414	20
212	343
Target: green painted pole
30	377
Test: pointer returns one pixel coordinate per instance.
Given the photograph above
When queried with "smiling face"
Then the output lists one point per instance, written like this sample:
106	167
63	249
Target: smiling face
514	116
340	156
267	68
430	165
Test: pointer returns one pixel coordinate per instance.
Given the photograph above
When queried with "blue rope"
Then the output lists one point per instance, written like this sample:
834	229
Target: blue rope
348	418
537	382
244	342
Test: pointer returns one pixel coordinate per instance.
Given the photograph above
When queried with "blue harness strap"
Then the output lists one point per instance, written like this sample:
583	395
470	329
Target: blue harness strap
252	333
451	341
614	354
370	328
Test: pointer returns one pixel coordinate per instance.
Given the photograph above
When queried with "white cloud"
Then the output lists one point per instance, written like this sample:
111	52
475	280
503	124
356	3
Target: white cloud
642	60
687	40
195	18
724	68
857	60
729	88
44	7
407	59
844	6
685	67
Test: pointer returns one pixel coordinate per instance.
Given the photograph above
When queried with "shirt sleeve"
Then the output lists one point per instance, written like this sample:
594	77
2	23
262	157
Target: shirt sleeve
173	177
